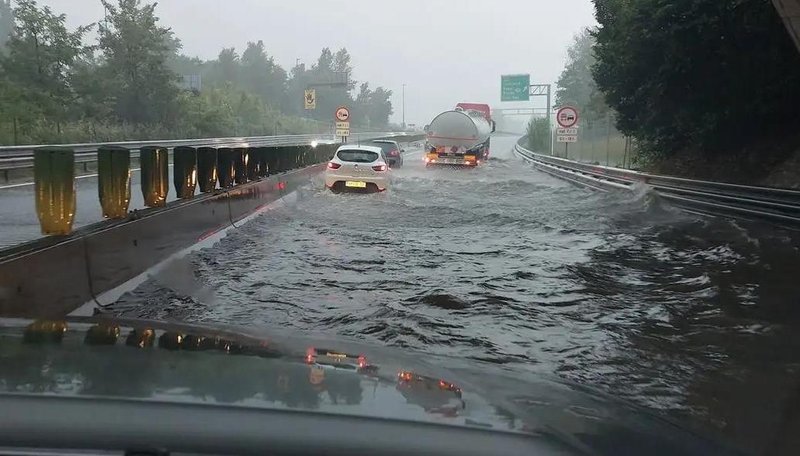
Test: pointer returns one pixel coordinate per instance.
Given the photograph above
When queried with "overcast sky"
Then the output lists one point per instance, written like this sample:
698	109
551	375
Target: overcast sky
445	51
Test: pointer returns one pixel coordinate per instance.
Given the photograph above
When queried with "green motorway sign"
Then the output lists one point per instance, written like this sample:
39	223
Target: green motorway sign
514	87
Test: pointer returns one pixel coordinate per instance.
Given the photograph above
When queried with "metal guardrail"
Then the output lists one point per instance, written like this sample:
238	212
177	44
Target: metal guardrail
775	205
18	157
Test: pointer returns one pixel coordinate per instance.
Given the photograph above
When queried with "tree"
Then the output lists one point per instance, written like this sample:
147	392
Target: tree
539	136
362	106
136	50
295	87
324	78
90	81
224	70
261	75
36	67
380	107
342	68
576	85
324	62
705	75
6	22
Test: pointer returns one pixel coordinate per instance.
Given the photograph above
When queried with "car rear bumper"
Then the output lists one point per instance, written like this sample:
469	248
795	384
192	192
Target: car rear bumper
339	180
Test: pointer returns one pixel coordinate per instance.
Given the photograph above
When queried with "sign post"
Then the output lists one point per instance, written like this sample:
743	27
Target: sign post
342	117
567	119
514	87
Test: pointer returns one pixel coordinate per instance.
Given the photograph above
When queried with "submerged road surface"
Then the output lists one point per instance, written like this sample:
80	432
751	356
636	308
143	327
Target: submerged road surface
698	318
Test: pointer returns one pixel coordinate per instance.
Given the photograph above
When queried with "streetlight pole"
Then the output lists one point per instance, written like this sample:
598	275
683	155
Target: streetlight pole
404	106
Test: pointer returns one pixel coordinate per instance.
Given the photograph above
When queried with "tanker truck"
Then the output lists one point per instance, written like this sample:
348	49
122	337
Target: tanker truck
458	137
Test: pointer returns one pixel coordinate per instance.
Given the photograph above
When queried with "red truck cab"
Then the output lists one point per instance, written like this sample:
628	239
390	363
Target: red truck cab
480	107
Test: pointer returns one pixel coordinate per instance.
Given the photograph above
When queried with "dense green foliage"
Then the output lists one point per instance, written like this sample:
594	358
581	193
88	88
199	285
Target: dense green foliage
703	75
6	21
576	85
54	87
539	135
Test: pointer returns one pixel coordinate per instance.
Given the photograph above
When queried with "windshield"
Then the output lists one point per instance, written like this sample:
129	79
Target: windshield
600	195
357	156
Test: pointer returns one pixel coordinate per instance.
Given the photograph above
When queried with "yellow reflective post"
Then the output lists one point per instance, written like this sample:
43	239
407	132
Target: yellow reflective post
253	163
154	162
114	180
141	337
185	171
225	167
45	331
105	333
263	167
207	169
241	157
54	184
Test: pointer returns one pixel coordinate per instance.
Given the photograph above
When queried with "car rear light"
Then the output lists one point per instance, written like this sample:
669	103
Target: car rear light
362	362
379	167
332	165
394	153
405	376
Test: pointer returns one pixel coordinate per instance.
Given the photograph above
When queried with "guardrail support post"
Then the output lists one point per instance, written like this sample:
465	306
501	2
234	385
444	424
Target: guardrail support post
241	157
253	163
114	180
185	171
263	165
54	184
273	159
280	160
154	162
207	169
225	167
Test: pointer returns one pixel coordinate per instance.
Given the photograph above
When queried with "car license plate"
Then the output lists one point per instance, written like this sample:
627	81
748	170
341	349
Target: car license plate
356	184
450	160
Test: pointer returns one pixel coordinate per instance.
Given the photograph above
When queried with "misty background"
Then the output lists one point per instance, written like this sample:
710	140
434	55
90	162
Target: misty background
444	51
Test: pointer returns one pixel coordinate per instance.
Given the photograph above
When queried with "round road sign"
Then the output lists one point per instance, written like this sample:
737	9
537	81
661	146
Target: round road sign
567	117
342	114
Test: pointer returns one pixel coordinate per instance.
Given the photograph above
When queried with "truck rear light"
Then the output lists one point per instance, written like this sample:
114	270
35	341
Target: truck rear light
379	167
332	165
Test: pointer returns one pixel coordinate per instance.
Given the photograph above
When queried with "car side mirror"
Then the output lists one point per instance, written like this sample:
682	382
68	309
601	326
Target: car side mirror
402	151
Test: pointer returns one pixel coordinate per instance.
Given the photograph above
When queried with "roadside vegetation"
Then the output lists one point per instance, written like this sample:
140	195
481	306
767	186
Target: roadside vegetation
133	82
702	88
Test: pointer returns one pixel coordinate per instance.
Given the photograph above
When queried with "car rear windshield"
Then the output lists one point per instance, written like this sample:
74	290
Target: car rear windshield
386	147
357	156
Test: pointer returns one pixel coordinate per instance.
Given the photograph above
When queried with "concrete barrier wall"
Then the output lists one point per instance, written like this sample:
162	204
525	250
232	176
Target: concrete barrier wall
56	278
53	276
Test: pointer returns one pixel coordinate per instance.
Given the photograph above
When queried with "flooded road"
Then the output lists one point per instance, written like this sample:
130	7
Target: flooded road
697	318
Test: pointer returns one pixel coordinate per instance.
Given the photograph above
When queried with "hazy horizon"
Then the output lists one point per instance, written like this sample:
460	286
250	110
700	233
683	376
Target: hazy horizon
445	51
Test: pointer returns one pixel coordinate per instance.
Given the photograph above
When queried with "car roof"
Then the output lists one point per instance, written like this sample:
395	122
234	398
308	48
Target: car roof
384	141
360	147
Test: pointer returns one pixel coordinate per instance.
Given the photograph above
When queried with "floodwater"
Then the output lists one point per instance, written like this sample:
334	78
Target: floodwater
697	318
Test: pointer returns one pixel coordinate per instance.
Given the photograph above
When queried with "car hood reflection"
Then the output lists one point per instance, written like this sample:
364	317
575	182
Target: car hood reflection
163	361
